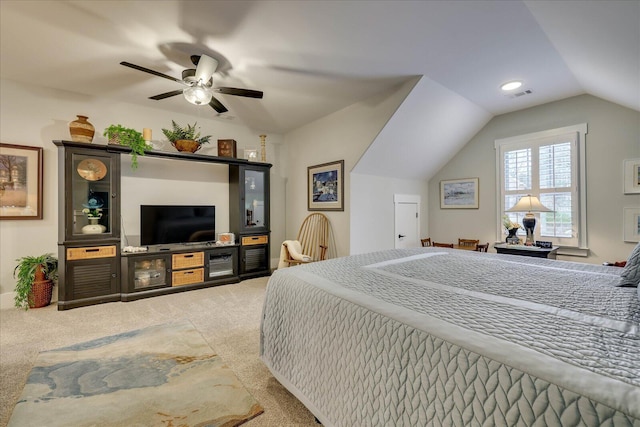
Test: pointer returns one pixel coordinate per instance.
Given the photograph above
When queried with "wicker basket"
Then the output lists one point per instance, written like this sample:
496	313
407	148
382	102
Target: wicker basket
186	145
40	295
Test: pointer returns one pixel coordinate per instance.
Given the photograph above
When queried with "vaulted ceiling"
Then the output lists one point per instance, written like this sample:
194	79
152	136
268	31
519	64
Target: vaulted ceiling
311	58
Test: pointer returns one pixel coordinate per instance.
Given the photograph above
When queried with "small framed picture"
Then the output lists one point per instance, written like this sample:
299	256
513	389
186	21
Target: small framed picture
459	193
20	182
227	148
632	224
251	154
632	176
325	187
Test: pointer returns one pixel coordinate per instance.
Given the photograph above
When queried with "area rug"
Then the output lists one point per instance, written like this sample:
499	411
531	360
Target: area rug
165	375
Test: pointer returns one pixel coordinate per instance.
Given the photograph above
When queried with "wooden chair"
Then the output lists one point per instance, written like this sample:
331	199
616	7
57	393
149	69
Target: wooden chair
314	238
470	243
426	242
482	248
443	245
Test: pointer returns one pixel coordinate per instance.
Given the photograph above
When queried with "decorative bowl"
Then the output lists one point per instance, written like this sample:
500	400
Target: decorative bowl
186	145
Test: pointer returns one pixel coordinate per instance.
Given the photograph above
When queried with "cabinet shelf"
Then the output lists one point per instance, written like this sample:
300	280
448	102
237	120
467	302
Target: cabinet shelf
92	270
112	148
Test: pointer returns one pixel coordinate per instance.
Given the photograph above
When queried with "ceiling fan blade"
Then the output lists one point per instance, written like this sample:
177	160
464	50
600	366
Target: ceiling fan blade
205	68
146	70
239	92
217	105
167	94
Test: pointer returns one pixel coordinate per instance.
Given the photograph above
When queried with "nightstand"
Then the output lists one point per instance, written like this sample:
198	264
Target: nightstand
522	250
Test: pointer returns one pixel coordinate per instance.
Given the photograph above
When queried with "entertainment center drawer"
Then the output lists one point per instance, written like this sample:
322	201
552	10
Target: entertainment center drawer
192	259
255	240
91	252
187	277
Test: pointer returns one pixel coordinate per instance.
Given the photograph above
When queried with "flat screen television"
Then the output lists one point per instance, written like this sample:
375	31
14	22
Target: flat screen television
167	224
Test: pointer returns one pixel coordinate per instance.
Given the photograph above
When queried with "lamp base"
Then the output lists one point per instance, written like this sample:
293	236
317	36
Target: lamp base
529	224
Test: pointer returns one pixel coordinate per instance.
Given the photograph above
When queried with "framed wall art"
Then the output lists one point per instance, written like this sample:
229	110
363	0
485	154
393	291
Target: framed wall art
325	187
20	182
459	193
632	224
632	176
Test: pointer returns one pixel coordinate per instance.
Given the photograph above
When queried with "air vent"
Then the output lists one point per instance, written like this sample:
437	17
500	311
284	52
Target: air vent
519	94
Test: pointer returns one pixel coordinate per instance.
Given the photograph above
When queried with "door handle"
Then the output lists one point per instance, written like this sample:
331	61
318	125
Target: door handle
400	236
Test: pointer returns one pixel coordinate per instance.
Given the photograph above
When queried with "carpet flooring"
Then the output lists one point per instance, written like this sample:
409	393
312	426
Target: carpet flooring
227	317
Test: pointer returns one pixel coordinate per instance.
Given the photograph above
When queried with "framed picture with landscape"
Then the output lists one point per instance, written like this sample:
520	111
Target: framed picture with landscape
631	224
632	176
459	193
20	182
325	187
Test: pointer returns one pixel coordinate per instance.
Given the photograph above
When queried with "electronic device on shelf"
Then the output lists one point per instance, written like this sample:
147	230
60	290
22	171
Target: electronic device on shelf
177	224
226	239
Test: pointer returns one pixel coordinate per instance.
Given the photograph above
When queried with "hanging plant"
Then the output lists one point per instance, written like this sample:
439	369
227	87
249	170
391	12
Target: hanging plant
118	134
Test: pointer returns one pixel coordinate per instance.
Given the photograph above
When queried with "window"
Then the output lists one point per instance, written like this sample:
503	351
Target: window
549	165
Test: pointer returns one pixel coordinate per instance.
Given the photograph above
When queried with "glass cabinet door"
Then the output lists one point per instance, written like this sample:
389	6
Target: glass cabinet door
150	272
256	208
91	213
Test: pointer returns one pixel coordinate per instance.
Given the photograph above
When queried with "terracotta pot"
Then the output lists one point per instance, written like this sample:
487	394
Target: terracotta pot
81	130
39	276
186	145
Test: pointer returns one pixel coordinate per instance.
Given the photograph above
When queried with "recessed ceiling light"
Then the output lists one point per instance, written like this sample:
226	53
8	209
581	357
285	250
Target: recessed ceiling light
511	85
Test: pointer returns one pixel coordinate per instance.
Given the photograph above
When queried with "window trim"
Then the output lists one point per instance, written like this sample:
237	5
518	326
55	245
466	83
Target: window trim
580	130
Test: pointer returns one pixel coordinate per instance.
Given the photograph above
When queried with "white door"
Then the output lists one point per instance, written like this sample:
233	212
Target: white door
407	221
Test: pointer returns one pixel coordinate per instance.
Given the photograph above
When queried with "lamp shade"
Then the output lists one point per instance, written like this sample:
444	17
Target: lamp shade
529	203
197	94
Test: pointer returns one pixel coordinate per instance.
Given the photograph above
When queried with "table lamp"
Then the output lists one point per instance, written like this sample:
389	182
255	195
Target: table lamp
529	204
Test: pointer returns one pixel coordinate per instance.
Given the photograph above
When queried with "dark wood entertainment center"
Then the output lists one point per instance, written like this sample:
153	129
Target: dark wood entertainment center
92	267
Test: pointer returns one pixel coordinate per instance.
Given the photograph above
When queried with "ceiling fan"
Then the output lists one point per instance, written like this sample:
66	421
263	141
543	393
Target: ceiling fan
198	83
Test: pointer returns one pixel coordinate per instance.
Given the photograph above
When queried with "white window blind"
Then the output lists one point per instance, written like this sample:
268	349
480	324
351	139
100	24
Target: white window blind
550	166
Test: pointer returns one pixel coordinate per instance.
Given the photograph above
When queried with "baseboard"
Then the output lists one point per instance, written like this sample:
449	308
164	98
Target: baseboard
7	299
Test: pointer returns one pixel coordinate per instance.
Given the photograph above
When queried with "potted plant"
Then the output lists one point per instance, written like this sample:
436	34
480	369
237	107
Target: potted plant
118	134
36	276
185	138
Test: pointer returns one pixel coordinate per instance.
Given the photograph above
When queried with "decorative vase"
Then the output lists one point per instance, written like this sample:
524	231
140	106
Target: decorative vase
93	227
186	145
512	235
81	130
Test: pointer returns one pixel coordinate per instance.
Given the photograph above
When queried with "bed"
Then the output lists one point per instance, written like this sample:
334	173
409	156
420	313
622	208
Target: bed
442	337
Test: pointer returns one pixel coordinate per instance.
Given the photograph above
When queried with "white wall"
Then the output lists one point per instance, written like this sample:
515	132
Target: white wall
613	135
344	135
34	116
373	210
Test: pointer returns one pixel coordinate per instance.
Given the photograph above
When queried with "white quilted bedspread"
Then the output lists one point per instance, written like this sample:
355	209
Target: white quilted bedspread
439	337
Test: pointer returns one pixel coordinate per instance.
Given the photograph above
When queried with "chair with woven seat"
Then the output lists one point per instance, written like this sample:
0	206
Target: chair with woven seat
468	243
313	238
482	248
426	242
443	245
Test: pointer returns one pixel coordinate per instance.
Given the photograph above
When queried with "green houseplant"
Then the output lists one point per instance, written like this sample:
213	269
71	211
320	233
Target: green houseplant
36	276
185	138
118	134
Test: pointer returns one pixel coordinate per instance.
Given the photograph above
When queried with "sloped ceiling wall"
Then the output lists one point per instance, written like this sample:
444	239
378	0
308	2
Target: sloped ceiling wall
428	129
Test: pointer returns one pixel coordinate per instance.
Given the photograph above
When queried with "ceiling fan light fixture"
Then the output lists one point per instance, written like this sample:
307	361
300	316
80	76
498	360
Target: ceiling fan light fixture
197	94
515	84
